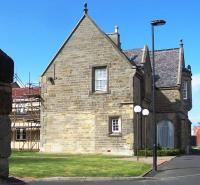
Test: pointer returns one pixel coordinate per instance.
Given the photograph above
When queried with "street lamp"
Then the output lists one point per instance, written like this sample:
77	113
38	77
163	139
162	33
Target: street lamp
137	110
145	113
154	23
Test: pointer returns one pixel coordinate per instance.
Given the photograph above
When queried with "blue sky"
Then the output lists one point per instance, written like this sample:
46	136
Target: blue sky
31	31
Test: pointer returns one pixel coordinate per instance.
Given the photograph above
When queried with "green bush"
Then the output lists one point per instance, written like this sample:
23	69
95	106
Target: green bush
195	151
161	152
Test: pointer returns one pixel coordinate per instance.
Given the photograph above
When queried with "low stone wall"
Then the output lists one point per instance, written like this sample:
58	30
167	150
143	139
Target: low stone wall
5	128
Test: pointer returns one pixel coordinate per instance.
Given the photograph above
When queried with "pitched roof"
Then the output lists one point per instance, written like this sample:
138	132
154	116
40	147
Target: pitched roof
24	92
167	64
104	34
135	55
167	67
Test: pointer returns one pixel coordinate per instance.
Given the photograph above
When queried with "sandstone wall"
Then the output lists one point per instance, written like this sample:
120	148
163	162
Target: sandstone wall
74	118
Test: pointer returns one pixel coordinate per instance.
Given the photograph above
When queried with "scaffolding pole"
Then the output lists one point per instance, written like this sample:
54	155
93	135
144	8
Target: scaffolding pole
25	118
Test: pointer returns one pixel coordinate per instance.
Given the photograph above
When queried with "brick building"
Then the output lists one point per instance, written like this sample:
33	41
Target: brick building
91	86
196	131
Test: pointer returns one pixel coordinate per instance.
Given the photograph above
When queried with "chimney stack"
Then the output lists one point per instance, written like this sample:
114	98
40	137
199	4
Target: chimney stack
115	37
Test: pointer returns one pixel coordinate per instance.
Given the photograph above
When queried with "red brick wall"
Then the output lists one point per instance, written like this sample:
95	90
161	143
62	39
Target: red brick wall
197	133
198	137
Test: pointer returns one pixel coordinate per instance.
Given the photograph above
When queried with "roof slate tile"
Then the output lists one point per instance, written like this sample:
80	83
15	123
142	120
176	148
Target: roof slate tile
166	65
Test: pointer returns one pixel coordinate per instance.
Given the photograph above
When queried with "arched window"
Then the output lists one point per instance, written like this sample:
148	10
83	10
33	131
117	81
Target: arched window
165	134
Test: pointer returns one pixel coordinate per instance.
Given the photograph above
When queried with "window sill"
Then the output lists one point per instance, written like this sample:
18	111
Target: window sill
20	140
115	135
99	92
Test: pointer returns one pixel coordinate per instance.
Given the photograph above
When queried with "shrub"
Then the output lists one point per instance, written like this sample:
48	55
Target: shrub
161	152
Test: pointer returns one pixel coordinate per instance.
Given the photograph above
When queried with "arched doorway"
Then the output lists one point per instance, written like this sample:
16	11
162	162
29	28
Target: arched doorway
165	134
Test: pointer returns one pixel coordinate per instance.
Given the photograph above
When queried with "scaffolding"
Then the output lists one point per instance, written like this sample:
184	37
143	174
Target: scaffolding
25	117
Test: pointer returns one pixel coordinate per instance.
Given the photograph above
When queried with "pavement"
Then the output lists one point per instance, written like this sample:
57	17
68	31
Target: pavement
149	160
181	170
185	165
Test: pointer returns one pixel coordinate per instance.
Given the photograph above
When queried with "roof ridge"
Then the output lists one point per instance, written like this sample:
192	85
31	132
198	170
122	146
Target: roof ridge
21	88
132	49
111	33
167	49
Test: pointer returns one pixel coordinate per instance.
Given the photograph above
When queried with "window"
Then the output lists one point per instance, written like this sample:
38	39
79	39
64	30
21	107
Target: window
115	125
100	79
21	109
185	90
20	134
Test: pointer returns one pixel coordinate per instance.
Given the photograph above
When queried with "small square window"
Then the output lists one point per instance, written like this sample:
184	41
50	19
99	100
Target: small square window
115	125
100	79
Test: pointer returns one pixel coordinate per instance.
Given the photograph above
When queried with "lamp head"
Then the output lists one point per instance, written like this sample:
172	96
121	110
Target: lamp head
137	109
145	112
158	22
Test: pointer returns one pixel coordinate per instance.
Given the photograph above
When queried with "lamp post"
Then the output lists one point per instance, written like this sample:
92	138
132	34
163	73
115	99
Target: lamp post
153	24
137	110
145	113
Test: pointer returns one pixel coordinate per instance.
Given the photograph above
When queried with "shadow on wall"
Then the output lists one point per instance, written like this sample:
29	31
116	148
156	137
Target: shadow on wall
170	109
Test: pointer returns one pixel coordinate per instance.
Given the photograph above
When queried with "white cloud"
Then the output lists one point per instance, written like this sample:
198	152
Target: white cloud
196	82
194	114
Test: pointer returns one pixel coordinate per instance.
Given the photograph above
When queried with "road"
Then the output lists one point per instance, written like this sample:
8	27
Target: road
183	170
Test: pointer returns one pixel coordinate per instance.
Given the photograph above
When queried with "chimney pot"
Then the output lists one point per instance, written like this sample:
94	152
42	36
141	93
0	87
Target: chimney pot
116	29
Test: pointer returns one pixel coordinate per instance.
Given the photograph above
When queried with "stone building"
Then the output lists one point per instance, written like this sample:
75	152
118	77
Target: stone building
91	86
173	96
6	78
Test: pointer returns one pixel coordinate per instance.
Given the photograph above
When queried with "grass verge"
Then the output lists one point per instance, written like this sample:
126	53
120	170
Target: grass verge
37	165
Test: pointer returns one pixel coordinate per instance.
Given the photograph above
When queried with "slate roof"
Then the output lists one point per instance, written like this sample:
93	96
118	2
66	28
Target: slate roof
166	65
135	55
